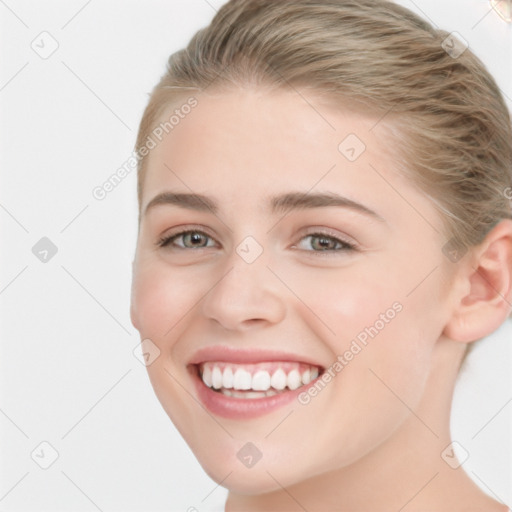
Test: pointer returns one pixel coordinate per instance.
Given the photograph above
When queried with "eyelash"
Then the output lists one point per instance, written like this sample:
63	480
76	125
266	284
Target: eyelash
346	246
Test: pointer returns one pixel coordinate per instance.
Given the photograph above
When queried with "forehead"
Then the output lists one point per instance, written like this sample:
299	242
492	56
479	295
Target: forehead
267	133
246	144
256	117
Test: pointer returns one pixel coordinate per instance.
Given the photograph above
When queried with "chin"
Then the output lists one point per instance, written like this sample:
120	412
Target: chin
254	481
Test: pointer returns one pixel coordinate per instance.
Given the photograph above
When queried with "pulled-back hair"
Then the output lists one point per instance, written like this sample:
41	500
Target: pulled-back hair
451	128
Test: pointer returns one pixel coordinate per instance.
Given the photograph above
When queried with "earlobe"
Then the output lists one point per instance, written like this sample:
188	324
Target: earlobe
489	280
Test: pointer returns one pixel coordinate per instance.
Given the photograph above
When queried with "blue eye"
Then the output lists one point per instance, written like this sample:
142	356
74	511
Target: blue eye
190	240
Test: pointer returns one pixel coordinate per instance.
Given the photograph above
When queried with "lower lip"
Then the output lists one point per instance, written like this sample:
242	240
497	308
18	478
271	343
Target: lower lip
242	408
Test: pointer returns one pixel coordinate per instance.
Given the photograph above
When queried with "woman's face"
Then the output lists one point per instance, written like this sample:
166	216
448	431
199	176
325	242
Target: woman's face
305	253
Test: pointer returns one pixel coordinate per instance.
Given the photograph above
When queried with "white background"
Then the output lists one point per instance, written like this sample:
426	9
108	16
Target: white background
67	372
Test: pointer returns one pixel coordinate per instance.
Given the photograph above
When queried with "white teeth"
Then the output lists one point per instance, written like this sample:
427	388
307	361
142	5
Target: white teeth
242	379
227	378
293	380
254	394
217	377
207	375
238	382
278	380
248	394
261	381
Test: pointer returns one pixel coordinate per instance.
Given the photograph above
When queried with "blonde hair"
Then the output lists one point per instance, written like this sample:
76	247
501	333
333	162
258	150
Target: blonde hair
453	133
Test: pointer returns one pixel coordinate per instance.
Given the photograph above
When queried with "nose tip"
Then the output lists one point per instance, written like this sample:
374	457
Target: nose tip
246	295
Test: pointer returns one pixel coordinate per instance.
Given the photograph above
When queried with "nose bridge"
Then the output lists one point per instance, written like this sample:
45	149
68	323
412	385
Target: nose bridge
247	290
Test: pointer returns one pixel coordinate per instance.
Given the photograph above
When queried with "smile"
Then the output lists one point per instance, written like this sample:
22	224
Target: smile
244	384
259	380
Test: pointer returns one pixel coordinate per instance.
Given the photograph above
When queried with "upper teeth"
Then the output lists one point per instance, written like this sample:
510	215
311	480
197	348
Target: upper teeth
257	377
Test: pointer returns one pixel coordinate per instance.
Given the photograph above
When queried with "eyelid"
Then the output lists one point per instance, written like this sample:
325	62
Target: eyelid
178	231
330	233
349	243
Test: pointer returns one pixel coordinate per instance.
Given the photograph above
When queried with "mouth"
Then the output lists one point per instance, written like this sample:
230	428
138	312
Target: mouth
246	389
253	381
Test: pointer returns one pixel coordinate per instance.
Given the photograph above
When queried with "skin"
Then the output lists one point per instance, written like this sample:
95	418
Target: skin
384	419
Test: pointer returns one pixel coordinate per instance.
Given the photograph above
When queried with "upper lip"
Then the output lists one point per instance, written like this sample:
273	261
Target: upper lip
238	355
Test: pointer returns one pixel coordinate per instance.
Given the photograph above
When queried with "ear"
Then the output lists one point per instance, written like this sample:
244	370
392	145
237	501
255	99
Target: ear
487	285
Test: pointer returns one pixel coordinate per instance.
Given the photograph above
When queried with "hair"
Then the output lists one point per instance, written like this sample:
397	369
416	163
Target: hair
452	130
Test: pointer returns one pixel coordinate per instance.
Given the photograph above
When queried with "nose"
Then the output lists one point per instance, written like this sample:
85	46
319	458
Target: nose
246	296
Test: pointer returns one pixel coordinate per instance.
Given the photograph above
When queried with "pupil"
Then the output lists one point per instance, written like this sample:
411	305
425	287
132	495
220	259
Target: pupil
323	242
196	238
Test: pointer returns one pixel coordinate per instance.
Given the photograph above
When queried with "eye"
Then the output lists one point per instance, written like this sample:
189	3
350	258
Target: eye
323	242
190	239
313	242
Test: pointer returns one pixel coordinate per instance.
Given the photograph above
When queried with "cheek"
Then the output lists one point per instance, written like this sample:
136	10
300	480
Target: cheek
399	330
386	300
367	318
344	301
385	332
161	298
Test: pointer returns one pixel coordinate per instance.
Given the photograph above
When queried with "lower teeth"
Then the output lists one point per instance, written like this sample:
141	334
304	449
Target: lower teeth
248	394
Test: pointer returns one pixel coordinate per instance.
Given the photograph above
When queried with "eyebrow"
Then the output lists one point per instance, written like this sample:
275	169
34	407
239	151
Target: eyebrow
278	204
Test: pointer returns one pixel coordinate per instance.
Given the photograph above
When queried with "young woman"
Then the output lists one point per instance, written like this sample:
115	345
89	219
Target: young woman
324	230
